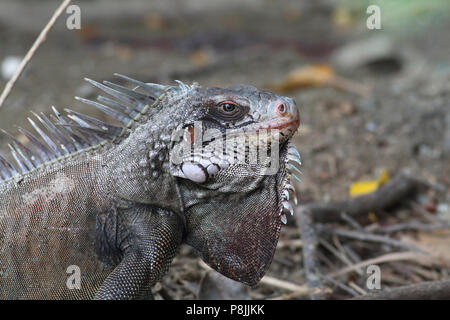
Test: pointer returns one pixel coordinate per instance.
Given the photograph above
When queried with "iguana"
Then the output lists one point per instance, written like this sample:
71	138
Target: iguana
117	200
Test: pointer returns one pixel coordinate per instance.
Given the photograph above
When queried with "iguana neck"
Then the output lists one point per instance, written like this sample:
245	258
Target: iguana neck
137	169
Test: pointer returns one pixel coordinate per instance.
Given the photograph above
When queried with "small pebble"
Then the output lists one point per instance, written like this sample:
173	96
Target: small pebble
443	208
371	126
9	65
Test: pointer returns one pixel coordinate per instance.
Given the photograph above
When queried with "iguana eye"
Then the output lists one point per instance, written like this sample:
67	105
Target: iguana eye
228	107
228	110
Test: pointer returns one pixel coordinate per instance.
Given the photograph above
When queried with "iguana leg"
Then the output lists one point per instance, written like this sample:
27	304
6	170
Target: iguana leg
149	239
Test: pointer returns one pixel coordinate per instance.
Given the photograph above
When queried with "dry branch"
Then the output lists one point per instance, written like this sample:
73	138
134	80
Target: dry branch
433	290
396	256
310	242
368	237
390	194
31	52
412	226
340	285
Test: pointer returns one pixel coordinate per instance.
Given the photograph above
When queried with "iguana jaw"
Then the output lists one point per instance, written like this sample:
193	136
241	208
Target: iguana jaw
235	224
287	126
234	210
203	163
237	233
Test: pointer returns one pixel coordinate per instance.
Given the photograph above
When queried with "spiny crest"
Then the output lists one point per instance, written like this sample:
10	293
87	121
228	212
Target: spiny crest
293	161
64	135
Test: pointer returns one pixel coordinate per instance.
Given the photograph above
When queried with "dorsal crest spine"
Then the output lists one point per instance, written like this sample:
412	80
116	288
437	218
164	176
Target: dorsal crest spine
64	135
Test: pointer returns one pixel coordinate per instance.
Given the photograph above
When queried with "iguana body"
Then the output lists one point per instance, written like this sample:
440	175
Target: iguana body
111	200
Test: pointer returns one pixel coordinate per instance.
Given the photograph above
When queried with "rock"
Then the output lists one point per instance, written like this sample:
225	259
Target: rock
9	66
365	52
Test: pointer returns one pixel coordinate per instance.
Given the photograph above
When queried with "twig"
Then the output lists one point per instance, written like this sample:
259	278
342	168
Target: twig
350	86
427	275
295	243
357	288
31	52
310	242
325	259
352	222
340	247
341	257
424	213
165	294
388	195
403	269
285	285
433	290
351	253
389	277
340	285
298	294
412	226
368	237
299	290
397	256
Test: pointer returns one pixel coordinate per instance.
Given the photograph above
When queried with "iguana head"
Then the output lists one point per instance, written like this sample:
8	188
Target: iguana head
231	158
220	157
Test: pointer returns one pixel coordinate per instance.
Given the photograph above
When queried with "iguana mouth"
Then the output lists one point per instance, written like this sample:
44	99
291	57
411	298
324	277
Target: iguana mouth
239	145
285	128
292	125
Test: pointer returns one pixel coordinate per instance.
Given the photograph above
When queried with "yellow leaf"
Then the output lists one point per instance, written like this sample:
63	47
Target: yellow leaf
384	177
342	18
372	217
365	187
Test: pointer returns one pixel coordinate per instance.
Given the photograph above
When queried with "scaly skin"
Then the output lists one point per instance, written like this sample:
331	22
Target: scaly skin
118	206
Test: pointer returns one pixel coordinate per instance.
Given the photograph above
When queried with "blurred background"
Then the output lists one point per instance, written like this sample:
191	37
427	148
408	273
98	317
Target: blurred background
372	102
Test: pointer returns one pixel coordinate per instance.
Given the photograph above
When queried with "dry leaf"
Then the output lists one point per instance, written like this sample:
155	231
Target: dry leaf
155	21
316	75
199	58
311	75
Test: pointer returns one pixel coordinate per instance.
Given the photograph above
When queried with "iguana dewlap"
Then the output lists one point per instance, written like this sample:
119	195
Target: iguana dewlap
116	201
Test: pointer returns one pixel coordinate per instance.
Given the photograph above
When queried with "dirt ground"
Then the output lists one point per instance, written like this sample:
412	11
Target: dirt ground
392	113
